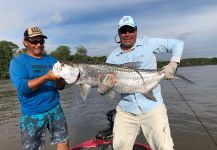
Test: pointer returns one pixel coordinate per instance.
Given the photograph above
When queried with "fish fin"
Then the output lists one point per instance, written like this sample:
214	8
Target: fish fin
84	90
135	66
149	95
180	77
132	65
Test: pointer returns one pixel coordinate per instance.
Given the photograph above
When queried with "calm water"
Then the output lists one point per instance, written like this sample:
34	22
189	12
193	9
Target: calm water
192	111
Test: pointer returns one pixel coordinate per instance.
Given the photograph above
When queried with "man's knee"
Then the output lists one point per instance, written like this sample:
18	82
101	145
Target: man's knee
63	146
121	144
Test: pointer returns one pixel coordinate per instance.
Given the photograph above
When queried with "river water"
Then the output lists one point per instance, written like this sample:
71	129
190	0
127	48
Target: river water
192	111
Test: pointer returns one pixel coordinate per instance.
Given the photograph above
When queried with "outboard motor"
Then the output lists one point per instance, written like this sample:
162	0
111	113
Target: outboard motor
106	133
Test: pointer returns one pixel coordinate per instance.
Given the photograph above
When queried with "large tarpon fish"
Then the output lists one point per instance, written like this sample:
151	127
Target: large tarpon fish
130	79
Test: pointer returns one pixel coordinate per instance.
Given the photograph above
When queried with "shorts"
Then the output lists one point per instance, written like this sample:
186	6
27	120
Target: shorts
33	128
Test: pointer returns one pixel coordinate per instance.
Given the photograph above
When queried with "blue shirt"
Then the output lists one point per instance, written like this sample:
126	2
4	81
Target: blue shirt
145	50
24	68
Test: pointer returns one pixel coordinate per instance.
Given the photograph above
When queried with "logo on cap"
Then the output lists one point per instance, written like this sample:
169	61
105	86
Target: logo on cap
126	19
33	31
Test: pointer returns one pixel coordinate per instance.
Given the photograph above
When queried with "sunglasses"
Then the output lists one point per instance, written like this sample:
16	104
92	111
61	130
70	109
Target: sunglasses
35	42
124	30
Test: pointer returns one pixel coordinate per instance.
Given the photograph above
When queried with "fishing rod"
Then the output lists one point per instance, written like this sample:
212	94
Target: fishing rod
196	116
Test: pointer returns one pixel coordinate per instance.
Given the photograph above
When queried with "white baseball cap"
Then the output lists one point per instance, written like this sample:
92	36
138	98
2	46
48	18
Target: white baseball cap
126	21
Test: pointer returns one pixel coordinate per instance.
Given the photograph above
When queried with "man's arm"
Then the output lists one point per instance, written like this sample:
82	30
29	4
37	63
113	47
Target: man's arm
60	83
173	46
35	83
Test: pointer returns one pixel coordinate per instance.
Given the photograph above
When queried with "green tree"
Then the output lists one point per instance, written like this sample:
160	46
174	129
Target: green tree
99	59
61	53
81	51
24	50
21	51
7	52
80	55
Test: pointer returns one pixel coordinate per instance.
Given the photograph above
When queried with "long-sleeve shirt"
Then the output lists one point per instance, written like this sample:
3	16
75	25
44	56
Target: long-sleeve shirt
24	68
145	50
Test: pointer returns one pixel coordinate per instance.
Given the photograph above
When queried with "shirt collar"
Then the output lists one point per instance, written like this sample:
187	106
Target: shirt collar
120	51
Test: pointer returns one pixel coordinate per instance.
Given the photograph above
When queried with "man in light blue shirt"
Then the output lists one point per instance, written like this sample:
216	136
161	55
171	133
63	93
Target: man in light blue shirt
135	111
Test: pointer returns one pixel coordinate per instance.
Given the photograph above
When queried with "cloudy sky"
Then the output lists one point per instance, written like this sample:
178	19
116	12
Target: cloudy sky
93	23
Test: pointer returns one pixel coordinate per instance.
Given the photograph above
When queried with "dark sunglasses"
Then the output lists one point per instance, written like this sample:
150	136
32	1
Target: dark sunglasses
35	42
124	30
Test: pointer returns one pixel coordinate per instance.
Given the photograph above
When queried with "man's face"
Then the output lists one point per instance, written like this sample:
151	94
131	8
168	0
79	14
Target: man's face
35	45
127	36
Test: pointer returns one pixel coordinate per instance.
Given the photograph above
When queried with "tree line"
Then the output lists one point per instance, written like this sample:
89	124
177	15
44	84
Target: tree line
192	62
9	50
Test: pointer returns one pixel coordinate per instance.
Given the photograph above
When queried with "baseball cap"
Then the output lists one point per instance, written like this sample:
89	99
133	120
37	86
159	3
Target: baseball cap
32	32
126	21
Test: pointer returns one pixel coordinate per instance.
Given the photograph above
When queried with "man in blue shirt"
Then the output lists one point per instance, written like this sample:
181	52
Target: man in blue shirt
135	111
37	86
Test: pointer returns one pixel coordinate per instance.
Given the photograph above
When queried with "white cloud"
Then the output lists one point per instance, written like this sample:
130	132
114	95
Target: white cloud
65	22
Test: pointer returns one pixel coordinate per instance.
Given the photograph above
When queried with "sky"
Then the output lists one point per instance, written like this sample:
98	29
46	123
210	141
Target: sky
93	23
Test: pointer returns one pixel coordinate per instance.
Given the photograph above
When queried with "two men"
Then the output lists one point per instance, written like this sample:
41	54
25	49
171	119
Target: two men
37	90
37	86
136	112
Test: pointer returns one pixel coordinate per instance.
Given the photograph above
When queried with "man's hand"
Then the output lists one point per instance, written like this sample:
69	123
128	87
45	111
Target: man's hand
52	76
35	83
107	83
169	70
